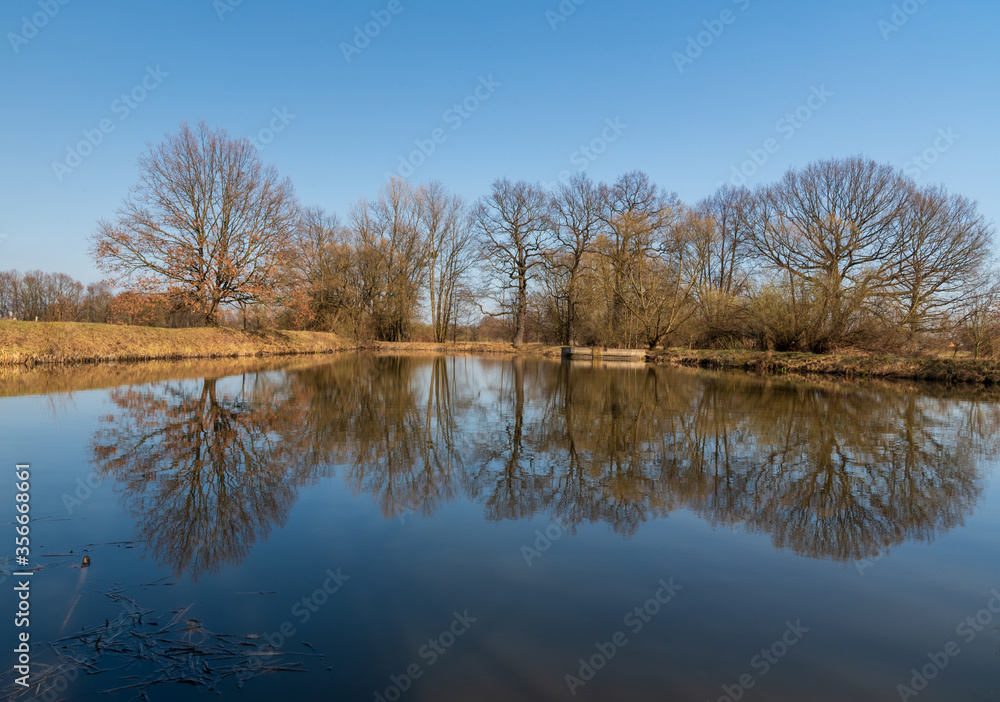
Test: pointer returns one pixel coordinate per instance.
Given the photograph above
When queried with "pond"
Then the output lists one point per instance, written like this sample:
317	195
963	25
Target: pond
378	527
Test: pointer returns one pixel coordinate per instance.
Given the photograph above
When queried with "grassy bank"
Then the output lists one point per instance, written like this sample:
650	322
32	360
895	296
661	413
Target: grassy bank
941	369
34	343
29	343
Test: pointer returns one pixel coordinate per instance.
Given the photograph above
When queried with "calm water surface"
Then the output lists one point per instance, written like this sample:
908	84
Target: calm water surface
420	528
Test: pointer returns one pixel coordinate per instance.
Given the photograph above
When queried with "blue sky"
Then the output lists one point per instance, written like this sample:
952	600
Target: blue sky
550	81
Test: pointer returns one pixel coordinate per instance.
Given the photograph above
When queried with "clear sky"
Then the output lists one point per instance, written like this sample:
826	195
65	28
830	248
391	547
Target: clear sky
628	78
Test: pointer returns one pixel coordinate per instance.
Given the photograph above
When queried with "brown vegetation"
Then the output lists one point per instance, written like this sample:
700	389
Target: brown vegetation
67	342
841	253
850	365
208	225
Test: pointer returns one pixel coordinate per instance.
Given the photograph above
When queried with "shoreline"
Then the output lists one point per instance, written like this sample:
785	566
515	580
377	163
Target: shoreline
964	371
851	366
464	348
961	371
29	344
75	343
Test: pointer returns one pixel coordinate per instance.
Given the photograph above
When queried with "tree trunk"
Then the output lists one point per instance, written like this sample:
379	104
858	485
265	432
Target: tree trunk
521	313
570	330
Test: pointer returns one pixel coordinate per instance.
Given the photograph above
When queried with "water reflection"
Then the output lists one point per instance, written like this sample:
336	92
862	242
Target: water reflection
829	471
205	473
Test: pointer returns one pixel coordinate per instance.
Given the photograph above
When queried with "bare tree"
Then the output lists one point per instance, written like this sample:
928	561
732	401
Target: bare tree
725	270
33	296
96	302
392	257
945	244
660	280
449	240
513	222
833	227
207	225
10	294
637	214
322	284
725	276
979	317
576	209
63	297
52	297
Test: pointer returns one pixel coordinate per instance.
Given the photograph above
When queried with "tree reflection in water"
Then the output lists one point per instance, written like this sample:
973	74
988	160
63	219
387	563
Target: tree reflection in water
205	473
828	470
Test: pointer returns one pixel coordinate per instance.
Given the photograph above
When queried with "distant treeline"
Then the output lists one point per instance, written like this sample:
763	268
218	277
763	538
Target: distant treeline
37	296
52	297
841	253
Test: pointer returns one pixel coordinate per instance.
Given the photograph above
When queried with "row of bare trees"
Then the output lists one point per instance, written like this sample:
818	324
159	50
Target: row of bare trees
843	252
37	296
52	297
410	249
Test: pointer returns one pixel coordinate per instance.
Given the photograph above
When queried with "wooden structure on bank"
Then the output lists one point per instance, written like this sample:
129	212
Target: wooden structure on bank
583	353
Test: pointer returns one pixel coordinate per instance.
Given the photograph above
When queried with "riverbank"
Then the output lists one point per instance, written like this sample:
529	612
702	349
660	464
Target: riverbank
33	343
466	348
48	343
854	366
939	369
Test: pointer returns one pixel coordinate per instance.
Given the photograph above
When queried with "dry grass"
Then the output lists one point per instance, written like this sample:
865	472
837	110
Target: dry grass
33	343
936	368
29	343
